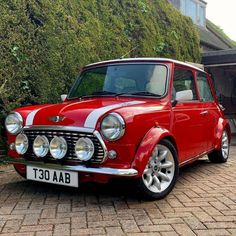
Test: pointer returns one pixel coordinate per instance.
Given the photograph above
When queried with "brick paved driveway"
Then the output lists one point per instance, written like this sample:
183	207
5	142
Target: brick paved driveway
202	203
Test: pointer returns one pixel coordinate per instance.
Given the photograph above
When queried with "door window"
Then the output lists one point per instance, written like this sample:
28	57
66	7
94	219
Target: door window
183	80
204	87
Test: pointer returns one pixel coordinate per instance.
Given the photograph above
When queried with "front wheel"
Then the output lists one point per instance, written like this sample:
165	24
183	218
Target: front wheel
161	172
221	155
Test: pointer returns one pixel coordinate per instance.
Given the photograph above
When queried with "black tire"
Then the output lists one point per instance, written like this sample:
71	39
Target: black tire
220	156
151	195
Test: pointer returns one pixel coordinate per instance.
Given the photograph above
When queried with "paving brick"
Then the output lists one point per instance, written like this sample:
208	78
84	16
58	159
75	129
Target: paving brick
142	220
220	225
212	232
219	206
194	223
212	211
105	223
117	231
61	229
203	216
167	221
90	231
18	234
183	229
35	228
12	226
22	205
169	233
156	228
232	231
79	222
225	218
144	234
32	219
44	233
48	213
129	226
64	208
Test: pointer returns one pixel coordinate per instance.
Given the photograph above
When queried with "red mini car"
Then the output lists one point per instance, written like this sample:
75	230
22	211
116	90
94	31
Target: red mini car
139	118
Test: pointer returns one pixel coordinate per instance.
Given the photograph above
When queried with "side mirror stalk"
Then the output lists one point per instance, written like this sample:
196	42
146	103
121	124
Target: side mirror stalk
174	103
63	97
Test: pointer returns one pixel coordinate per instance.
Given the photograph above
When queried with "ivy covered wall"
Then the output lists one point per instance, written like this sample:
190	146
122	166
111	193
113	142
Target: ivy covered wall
44	43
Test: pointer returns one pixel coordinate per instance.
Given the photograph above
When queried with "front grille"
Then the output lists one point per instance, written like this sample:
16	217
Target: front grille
71	137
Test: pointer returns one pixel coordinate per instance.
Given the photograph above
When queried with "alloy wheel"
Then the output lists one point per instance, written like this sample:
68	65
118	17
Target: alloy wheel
160	170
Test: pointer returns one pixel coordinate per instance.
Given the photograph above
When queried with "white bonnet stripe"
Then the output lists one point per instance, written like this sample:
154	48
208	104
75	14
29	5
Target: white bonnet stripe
30	117
93	117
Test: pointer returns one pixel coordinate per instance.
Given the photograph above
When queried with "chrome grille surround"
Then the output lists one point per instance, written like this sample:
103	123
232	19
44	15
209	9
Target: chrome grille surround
71	135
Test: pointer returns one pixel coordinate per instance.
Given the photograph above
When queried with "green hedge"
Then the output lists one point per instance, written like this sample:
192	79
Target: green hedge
44	43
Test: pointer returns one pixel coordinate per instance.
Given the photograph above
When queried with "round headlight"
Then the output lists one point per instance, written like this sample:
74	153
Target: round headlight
41	146
14	123
113	127
58	147
84	149
21	144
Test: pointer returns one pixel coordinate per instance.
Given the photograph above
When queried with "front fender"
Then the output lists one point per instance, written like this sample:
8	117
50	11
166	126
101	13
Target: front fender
146	147
222	124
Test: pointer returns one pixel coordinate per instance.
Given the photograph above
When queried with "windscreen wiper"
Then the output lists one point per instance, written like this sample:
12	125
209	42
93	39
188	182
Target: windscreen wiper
146	93
104	92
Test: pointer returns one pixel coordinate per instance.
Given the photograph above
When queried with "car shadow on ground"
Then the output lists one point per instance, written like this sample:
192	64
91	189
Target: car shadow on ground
117	189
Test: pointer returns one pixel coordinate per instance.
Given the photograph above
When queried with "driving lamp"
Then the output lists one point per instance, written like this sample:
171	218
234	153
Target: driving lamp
84	149
58	147
21	144
41	146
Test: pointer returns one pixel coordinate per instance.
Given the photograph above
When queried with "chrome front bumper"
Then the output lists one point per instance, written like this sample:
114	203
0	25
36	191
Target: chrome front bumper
77	168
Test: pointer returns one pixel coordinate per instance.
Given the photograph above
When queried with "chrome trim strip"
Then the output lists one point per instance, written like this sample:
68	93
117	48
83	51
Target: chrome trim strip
99	137
78	168
195	158
63	128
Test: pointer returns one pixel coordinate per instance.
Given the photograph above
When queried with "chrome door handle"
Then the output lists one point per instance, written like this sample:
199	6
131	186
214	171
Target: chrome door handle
204	113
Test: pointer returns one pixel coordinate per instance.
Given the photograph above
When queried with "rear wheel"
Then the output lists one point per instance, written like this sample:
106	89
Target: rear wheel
221	155
160	173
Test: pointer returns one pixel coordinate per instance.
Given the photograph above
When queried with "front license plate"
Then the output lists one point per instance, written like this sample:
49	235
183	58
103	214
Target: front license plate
61	177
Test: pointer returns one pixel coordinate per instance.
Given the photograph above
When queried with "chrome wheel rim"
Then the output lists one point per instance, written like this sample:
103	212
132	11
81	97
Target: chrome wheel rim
225	145
159	172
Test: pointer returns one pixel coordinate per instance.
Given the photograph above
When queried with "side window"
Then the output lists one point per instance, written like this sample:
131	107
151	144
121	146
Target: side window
204	87
183	80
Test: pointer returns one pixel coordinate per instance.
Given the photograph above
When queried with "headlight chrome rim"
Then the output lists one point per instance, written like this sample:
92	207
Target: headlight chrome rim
119	131
44	146
21	144
19	122
58	147
87	153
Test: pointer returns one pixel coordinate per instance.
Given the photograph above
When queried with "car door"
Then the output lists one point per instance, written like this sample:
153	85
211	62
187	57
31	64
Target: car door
187	118
209	113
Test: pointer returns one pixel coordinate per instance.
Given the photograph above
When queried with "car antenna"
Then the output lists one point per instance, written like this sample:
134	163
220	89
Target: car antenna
122	57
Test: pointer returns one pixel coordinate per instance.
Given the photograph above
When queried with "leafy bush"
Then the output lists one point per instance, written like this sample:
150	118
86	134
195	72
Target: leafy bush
44	43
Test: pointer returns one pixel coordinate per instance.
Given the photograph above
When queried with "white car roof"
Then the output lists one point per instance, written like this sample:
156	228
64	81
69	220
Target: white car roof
143	59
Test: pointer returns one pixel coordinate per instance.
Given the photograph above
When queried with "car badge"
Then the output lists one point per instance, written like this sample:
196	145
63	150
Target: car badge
56	118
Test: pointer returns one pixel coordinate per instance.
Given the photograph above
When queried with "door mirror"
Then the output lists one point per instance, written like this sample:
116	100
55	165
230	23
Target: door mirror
63	97
185	95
